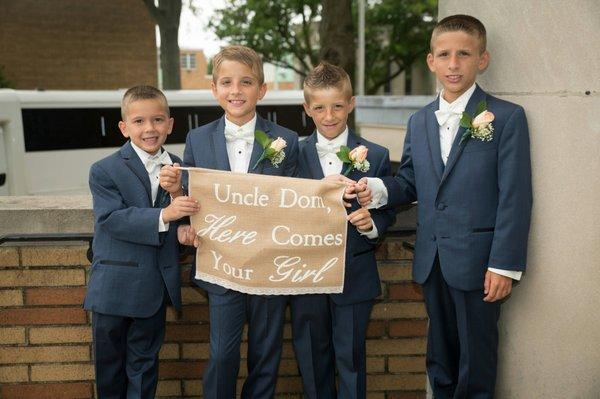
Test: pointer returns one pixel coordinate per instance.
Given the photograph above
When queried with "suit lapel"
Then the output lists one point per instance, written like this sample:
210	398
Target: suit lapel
433	138
312	158
134	163
219	149
456	150
257	149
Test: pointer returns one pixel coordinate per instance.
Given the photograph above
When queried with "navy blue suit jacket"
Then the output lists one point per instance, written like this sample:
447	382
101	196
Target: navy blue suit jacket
205	148
475	211
361	279
133	262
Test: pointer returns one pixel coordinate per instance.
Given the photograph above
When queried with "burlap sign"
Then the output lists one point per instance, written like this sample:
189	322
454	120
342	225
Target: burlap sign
269	235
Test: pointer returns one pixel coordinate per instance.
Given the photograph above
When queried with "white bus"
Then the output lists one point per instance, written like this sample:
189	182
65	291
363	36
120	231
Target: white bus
49	139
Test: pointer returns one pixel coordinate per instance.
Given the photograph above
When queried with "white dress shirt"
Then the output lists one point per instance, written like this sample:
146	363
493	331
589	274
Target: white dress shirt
449	129
153	173
240	151
447	132
332	165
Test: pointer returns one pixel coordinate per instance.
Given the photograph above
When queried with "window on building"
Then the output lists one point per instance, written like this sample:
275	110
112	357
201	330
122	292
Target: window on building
188	61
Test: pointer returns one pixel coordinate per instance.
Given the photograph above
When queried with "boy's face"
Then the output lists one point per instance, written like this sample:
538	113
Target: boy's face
329	109
237	90
146	124
456	60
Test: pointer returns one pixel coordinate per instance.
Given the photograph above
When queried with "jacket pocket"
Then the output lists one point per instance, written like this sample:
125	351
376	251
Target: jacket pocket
483	230
118	263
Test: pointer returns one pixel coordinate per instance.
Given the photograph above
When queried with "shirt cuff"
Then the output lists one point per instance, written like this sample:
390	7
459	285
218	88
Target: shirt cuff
515	275
162	226
371	234
378	191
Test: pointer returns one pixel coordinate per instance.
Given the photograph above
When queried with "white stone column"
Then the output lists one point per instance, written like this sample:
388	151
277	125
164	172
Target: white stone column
545	55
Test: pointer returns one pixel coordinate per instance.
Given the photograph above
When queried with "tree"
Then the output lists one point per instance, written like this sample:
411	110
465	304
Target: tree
166	15
397	34
298	34
336	47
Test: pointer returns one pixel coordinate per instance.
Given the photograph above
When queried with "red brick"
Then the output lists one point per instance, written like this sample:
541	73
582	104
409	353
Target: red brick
396	250
408	328
406	291
376	329
181	370
381	251
55	296
187	333
194	313
79	390
42	316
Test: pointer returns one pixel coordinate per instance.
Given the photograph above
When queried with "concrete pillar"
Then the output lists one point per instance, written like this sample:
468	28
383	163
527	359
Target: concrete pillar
545	56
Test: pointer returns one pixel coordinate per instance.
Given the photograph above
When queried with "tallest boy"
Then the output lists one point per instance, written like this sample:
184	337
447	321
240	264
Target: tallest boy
472	180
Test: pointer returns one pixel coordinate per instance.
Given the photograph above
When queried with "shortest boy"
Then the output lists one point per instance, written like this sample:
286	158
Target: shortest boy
135	267
344	317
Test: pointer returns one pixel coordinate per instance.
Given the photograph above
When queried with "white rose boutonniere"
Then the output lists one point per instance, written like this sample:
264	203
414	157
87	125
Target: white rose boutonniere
480	126
356	159
272	149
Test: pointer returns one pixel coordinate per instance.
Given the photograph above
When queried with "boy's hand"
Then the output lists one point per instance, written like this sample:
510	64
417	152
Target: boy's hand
349	193
363	192
496	286
187	235
180	207
361	219
170	180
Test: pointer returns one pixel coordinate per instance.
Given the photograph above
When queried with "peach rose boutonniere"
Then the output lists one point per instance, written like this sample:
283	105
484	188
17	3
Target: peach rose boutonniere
356	158
272	149
479	127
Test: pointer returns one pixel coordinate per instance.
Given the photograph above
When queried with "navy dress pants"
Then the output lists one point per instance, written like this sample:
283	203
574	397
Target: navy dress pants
126	354
462	341
228	314
311	336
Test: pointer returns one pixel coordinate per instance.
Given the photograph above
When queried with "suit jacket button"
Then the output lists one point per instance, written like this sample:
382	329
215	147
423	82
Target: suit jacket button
433	237
441	206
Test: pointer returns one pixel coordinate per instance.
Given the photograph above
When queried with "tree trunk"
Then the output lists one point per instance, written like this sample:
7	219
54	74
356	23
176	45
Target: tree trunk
337	35
169	58
166	16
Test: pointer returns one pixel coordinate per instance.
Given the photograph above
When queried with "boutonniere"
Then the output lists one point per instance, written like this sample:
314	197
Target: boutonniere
356	159
272	149
479	126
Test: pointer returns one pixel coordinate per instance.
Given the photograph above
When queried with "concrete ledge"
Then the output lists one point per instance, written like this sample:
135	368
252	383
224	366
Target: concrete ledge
46	215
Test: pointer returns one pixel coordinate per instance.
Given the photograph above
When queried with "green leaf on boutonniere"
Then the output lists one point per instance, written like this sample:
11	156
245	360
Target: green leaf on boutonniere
465	120
344	154
481	106
262	138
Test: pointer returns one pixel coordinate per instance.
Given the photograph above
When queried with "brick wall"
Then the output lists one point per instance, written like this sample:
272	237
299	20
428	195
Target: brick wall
77	45
45	336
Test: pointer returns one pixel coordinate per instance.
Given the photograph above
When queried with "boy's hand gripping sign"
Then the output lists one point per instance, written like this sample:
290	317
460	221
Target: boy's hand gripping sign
269	235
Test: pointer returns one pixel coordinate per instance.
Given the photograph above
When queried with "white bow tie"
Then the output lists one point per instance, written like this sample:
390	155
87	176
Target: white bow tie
324	149
232	135
443	116
157	160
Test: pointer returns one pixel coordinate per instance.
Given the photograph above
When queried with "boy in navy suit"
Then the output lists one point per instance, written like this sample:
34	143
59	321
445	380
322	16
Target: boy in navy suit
344	317
466	161
135	271
228	144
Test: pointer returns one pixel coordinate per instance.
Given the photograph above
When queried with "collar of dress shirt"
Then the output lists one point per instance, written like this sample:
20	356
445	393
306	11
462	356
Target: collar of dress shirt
144	155
246	127
460	103
340	140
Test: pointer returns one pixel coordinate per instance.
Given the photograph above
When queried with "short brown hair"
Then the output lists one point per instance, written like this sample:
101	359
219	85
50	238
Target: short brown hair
462	23
325	76
142	92
242	54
